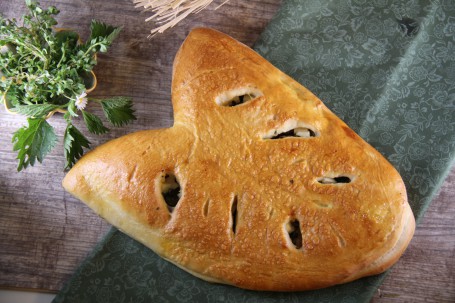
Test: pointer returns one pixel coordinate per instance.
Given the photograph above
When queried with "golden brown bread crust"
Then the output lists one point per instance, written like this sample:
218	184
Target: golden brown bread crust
221	153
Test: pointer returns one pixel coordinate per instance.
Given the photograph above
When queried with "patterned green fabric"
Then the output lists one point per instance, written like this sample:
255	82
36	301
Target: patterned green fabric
387	68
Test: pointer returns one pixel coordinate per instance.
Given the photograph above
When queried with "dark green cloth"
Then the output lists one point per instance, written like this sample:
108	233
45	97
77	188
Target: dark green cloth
387	68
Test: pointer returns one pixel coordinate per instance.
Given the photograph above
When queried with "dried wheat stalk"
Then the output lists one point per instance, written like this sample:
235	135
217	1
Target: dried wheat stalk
167	13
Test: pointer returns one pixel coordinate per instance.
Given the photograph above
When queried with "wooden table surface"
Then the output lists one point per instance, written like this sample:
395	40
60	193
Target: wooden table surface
45	233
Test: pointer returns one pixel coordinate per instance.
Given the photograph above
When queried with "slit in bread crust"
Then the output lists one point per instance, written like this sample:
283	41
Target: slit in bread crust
294	233
238	96
291	129
170	190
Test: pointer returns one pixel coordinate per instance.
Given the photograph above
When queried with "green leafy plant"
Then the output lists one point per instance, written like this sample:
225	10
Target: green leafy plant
44	71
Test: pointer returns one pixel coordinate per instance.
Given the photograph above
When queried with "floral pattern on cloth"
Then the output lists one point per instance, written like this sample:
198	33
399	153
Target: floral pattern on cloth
121	270
387	68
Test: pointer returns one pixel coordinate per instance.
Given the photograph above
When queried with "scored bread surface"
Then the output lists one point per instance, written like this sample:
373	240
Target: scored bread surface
256	210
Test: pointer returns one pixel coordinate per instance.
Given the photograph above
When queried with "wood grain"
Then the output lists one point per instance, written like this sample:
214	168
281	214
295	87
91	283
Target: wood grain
45	233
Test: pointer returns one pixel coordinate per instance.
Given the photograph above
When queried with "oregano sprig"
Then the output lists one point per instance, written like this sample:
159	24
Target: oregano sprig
44	71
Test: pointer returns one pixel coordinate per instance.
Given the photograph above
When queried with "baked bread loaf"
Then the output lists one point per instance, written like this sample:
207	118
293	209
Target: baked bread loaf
257	184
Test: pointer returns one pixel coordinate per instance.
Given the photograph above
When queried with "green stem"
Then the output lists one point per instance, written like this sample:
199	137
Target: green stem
63	56
33	49
91	47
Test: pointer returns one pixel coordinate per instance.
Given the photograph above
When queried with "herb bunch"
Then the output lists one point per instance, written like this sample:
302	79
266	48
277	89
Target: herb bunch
44	71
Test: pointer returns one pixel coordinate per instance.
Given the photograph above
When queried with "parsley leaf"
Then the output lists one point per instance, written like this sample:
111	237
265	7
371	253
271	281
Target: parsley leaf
118	110
100	30
33	142
94	123
73	142
66	36
34	110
